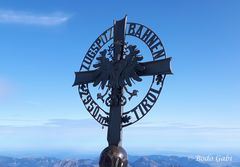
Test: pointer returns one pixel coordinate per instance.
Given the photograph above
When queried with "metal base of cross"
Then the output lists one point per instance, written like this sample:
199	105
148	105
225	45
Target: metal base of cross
113	156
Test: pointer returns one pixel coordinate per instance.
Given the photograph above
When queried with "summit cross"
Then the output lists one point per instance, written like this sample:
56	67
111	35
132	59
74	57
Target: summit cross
116	74
159	67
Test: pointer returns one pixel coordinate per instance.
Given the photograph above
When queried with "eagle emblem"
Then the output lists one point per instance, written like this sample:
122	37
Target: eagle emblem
120	73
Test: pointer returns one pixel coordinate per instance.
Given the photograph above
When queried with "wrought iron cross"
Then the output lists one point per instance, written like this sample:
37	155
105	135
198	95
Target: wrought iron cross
116	74
150	68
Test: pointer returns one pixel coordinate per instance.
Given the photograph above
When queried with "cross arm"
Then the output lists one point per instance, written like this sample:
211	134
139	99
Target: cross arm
156	67
151	68
85	77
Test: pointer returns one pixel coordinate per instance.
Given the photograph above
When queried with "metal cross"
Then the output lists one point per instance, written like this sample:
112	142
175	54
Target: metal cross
159	67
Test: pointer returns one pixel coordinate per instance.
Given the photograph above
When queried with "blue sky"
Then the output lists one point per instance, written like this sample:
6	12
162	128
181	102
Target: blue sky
42	43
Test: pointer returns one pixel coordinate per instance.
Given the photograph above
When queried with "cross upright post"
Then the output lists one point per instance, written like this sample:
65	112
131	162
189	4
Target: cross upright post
115	115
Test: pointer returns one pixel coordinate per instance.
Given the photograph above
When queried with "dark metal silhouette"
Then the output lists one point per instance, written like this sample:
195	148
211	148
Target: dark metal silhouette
118	68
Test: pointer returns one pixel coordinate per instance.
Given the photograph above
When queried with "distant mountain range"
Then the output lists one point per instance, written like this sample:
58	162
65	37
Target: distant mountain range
134	161
166	161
